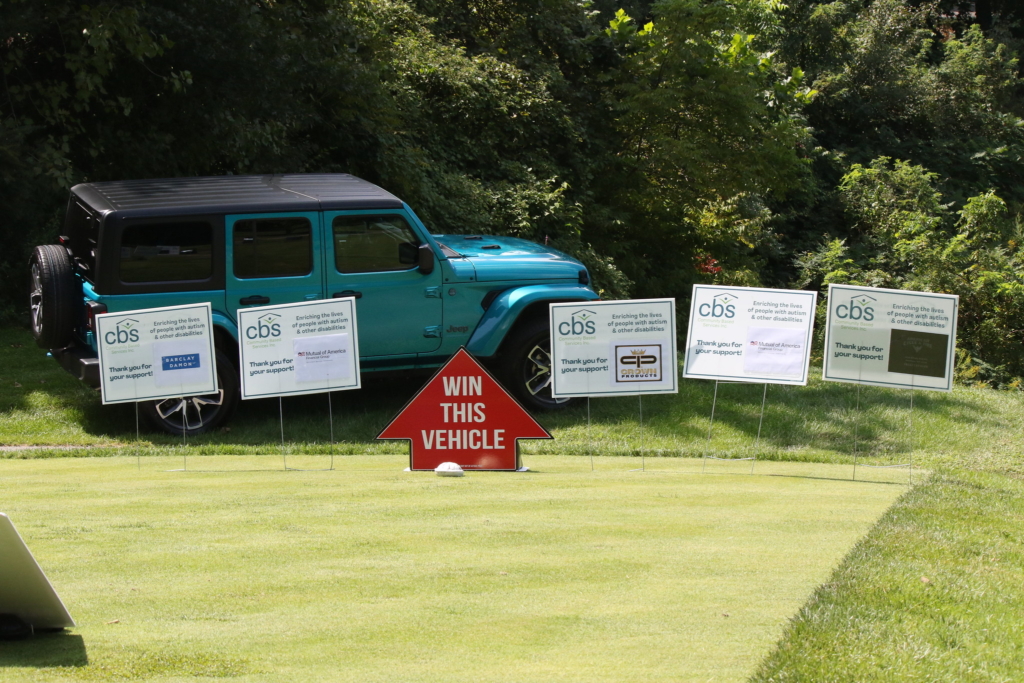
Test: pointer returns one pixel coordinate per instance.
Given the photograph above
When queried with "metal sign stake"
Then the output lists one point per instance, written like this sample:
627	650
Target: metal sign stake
711	424
856	421
330	417
590	440
910	429
910	439
643	462
138	454
760	422
280	415
184	435
856	434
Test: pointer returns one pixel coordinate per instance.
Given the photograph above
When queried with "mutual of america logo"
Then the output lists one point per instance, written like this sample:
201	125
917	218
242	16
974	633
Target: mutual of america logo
638	363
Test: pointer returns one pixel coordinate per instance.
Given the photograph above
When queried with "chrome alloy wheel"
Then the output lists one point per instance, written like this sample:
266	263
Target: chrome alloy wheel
189	413
36	299
537	374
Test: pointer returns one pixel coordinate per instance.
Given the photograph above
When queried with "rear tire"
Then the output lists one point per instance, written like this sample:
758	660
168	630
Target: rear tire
526	367
52	296
198	414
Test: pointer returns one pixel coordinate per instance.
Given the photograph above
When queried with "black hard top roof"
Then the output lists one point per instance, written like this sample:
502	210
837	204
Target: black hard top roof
235	194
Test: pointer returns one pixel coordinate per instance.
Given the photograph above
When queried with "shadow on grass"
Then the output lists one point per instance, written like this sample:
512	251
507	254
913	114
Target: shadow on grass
45	650
33	384
823	416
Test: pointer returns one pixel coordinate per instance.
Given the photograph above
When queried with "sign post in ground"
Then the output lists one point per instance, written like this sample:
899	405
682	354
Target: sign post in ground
155	354
748	334
890	338
614	348
309	347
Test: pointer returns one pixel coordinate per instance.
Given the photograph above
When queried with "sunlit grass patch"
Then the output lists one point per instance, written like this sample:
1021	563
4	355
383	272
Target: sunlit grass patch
369	573
934	592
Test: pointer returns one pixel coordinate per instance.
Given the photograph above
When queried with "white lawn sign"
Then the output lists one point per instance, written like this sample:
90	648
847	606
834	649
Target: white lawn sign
748	334
613	348
304	348
156	353
890	337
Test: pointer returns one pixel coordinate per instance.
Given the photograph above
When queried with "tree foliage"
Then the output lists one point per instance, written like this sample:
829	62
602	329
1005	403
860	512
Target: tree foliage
668	142
706	124
906	238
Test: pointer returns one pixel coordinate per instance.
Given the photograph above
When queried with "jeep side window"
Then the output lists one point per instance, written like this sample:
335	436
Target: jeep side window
372	244
167	252
273	247
82	230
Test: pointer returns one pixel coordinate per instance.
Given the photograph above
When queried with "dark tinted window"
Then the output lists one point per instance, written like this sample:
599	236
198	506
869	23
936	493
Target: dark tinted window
364	244
81	228
273	247
167	252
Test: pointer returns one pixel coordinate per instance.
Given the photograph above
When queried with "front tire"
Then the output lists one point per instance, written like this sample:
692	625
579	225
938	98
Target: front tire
527	367
198	414
52	296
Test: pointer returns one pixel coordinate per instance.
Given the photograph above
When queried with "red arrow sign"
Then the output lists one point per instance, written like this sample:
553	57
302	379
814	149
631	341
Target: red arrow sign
463	415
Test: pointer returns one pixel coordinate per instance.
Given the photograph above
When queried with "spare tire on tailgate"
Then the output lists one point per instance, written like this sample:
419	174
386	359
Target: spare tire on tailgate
52	299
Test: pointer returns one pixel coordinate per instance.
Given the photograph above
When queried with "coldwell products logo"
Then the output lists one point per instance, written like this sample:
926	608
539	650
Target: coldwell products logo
636	363
860	307
124	332
721	306
266	327
581	323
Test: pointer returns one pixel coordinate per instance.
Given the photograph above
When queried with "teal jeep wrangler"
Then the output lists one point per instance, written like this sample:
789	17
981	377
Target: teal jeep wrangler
237	241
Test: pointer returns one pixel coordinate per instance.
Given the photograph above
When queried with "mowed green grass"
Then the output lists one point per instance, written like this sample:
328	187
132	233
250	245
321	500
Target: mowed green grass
369	573
43	406
934	593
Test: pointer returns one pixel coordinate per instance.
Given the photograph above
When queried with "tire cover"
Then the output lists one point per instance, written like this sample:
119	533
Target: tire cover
52	298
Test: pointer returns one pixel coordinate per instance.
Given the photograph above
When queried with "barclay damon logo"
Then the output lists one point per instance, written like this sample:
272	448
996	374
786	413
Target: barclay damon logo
859	307
581	323
266	326
721	306
125	331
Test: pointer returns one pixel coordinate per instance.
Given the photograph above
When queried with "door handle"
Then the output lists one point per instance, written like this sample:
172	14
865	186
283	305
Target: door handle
348	292
255	299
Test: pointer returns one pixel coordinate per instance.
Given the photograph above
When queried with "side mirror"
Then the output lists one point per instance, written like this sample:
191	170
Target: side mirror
426	259
408	254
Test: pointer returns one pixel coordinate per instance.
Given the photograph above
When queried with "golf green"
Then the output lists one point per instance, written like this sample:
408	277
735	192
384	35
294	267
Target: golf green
236	568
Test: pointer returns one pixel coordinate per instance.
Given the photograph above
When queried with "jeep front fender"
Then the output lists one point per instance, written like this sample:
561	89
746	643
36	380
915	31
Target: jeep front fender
506	308
221	320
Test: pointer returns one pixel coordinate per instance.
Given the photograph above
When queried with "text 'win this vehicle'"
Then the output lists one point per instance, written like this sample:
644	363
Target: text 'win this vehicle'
237	241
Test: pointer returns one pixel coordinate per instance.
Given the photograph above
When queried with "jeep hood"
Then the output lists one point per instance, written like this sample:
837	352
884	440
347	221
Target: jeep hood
510	258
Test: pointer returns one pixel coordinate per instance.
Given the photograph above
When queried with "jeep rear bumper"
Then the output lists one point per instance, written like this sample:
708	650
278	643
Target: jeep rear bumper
81	362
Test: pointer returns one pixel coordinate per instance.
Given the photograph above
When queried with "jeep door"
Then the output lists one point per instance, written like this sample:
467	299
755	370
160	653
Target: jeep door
273	259
373	256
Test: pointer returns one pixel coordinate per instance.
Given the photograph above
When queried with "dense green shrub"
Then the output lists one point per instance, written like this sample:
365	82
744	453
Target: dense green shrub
743	142
905	237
